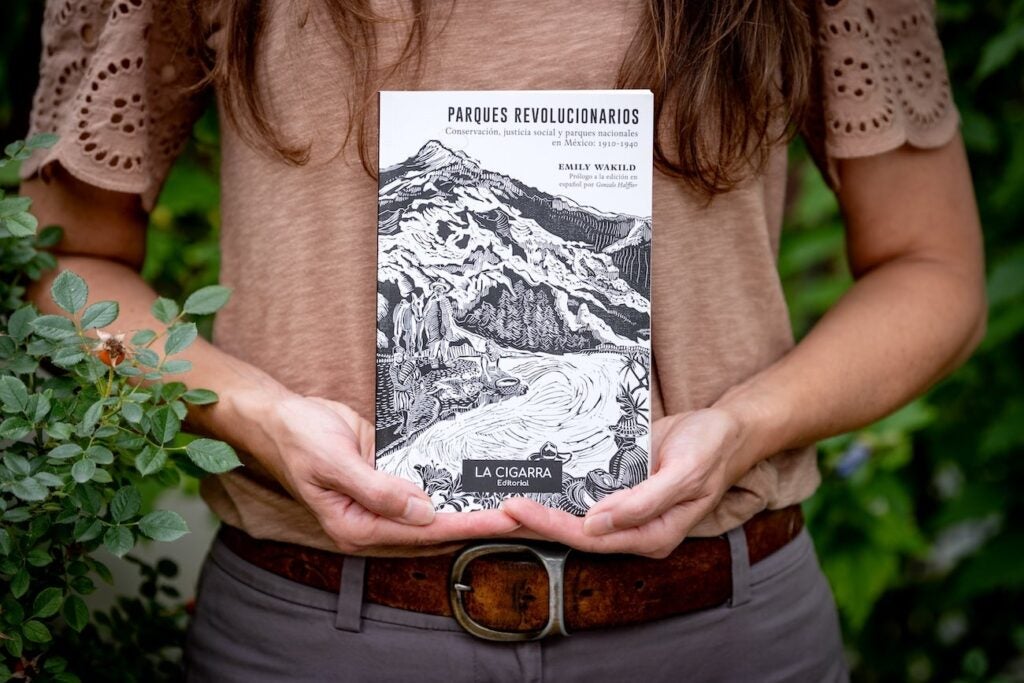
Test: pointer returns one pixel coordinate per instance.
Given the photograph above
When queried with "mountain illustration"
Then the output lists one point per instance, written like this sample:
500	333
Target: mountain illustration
531	270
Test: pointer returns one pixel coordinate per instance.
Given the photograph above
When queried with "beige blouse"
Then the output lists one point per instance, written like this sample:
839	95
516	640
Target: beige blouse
299	243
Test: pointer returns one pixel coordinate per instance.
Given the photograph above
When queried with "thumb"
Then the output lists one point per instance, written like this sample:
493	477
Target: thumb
387	495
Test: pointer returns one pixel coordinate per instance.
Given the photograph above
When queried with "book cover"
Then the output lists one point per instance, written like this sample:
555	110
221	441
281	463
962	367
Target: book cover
513	305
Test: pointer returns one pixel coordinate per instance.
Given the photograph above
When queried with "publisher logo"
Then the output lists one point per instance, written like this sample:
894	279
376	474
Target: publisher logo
511	476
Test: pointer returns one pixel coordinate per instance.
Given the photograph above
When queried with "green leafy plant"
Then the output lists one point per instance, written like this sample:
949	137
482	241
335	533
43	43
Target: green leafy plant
87	413
917	522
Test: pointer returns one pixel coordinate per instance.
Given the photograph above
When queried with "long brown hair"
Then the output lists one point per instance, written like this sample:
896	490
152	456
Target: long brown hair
731	78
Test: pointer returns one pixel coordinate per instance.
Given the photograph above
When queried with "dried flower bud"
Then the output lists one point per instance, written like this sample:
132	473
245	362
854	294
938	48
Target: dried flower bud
112	350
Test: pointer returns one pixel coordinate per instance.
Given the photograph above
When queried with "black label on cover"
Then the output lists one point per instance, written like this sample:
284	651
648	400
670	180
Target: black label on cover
512	476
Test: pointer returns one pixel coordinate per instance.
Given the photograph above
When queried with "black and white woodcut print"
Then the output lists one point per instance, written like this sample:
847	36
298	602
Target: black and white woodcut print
512	324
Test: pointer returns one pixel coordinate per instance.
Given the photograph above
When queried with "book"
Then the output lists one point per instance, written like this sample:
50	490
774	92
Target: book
513	304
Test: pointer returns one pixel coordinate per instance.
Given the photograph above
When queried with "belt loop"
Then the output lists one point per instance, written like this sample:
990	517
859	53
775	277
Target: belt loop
740	562
350	594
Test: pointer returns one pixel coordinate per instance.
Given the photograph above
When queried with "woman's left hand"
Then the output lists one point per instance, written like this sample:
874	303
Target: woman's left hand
698	456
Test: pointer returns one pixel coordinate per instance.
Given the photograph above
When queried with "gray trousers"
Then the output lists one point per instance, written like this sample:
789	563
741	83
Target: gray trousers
252	626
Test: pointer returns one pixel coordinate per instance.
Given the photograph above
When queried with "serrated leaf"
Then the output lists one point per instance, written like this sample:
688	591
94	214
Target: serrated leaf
54	664
55	327
65	451
28	489
176	367
38	557
212	456
14	645
69	291
132	412
36	632
19	583
143	337
13	394
38	406
92	416
68	356
47	603
102	477
12	611
14	148
127	370
118	540
48	479
49	236
100	314
100	455
5	542
172	390
125	504
95	369
999	51
88	498
18	514
200	397
87	529
41	140
21	224
19	324
39	347
163	525
82	584
38	526
12	205
180	337
15	428
147	357
150	460
106	431
17	464
179	408
103	571
207	300
83	470
164	310
22	364
75	613
59	431
164	424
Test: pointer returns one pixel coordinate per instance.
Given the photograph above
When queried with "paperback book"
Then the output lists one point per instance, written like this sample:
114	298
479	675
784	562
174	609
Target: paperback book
513	304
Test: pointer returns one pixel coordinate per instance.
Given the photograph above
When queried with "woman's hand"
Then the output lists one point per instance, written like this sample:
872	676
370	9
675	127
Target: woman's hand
322	452
698	456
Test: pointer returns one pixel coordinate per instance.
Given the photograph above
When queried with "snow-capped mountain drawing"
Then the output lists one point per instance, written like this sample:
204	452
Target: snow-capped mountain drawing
527	269
513	328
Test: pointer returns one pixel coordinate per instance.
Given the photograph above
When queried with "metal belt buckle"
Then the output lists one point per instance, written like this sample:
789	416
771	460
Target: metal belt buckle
552	558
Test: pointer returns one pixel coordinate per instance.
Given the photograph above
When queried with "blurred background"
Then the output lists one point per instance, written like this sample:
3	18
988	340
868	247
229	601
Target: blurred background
919	522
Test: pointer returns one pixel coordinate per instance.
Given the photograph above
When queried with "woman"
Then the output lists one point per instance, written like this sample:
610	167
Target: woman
738	405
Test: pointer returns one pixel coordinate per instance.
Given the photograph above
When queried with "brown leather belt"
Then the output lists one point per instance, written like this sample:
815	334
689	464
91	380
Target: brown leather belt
508	592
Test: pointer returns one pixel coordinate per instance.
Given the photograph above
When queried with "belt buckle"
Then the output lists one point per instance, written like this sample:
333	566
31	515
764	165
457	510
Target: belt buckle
553	561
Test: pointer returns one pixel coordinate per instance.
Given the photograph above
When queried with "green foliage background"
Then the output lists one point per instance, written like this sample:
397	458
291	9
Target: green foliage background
919	522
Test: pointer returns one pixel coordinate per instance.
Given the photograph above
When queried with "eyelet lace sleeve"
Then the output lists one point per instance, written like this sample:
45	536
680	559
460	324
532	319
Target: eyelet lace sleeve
114	85
883	79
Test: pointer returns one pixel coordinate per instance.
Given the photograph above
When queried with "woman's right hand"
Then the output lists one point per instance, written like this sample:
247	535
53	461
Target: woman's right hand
322	452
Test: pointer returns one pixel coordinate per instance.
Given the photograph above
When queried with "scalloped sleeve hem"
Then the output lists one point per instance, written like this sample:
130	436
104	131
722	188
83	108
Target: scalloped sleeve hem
883	81
116	86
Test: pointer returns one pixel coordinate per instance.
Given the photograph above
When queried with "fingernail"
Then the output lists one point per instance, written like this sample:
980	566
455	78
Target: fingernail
599	524
418	511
